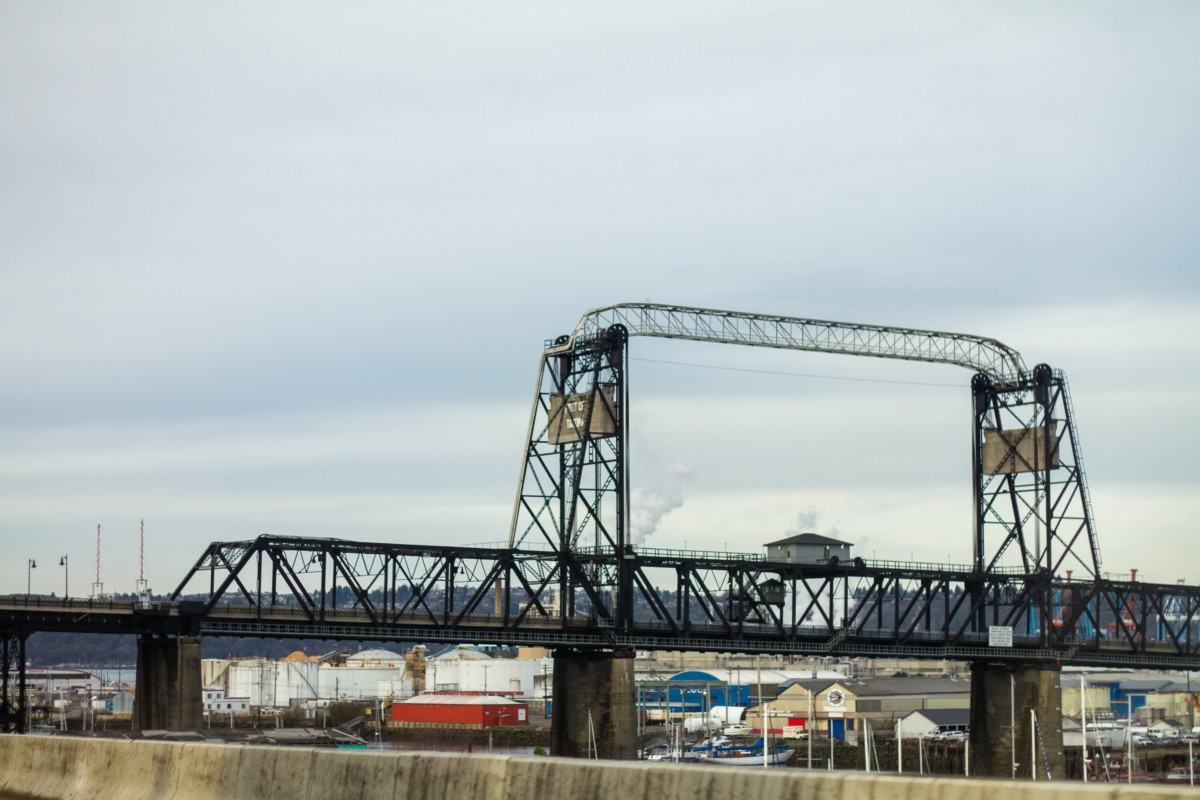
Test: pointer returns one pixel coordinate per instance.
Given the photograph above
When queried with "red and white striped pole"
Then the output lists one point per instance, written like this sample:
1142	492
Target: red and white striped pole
97	587
142	589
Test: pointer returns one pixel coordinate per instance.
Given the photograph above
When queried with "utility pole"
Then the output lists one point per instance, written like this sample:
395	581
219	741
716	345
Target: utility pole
1012	721
809	726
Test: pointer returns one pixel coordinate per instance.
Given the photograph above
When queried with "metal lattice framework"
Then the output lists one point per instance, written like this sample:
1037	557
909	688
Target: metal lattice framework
1031	490
1029	481
683	600
976	353
573	488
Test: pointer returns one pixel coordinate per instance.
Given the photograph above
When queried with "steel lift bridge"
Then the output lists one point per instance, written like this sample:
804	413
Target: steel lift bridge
571	577
1033	597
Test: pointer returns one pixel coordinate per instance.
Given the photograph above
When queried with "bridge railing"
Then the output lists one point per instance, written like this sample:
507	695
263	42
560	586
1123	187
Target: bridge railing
869	563
48	602
584	621
674	553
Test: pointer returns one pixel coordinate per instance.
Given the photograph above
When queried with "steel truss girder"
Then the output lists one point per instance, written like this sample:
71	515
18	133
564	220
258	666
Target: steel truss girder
736	603
976	353
572	490
1034	513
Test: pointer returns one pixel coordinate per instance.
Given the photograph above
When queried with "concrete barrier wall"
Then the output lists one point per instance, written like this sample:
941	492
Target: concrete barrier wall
53	768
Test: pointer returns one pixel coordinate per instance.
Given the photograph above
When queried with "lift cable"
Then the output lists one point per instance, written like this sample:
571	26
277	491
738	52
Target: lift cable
796	374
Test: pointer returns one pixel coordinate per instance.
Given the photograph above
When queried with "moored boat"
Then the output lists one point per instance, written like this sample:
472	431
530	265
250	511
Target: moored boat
1189	775
751	755
1121	776
706	748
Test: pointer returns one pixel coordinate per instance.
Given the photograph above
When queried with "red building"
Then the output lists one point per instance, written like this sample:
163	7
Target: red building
474	710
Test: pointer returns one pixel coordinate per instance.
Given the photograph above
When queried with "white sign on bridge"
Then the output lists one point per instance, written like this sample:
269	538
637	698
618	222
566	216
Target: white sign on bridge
999	636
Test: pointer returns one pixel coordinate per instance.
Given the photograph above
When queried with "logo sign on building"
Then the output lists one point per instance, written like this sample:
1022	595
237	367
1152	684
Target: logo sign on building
1000	636
835	697
570	416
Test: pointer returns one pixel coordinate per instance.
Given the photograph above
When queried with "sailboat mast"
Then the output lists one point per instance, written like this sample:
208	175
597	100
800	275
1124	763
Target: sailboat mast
1083	724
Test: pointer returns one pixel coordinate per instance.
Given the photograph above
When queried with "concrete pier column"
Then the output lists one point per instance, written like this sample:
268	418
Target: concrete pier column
599	683
168	684
1003	694
14	700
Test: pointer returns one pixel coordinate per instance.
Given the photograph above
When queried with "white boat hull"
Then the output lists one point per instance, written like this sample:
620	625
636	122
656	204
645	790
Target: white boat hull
746	758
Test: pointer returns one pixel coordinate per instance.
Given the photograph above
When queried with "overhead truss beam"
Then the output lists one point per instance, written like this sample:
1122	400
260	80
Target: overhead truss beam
977	353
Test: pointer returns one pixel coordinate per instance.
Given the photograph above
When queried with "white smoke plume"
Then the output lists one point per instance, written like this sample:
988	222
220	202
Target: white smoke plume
809	522
806	521
659	492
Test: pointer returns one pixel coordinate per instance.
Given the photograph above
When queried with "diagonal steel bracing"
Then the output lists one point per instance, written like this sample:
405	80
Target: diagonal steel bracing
739	602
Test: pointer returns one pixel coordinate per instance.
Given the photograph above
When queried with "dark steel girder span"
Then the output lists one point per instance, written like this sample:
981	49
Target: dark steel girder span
328	588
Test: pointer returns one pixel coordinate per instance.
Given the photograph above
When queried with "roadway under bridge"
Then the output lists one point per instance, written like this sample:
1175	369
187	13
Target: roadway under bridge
1033	597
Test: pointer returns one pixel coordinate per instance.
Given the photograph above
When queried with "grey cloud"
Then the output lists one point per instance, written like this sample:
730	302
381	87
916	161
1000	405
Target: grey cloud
227	214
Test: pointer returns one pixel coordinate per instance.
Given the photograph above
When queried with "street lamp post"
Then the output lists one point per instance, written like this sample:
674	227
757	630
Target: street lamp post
62	562
29	577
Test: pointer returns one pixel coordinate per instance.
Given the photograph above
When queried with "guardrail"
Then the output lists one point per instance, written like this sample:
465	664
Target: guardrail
46	602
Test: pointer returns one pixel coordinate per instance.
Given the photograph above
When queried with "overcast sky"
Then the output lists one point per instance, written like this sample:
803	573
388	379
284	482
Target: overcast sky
288	267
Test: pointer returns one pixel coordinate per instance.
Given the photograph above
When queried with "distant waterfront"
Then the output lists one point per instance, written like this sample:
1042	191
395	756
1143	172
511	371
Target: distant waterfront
112	675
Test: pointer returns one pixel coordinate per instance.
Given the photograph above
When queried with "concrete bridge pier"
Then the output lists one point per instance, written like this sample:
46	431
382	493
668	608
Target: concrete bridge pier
1002	695
14	700
599	684
168	684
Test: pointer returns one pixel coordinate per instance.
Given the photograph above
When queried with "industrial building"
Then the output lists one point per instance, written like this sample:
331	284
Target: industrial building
929	720
61	680
695	692
301	680
365	675
838	707
454	708
465	668
216	702
808	548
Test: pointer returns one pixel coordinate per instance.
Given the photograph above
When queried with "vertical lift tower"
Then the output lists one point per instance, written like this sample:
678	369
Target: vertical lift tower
1032	512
